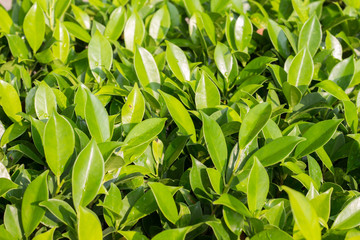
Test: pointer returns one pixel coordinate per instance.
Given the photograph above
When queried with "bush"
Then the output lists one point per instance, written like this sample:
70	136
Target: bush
221	119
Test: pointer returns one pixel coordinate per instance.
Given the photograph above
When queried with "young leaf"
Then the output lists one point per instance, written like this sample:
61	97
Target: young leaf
59	143
31	213
316	136
177	61
116	24
257	187
34	27
343	72
87	175
134	31
10	101
89	226
165	201
180	115
147	71
61	47
310	35
100	56
304	214
97	119
349	217
215	142
223	59
301	70
5	21
243	31
278	38
46	235
253	122
175	234
207	94
133	110
160	24
45	101
233	203
61	210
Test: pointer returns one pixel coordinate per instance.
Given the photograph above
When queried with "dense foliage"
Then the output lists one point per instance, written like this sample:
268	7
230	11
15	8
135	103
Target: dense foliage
181	119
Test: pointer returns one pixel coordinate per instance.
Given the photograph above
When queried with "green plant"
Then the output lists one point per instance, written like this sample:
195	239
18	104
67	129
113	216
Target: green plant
221	119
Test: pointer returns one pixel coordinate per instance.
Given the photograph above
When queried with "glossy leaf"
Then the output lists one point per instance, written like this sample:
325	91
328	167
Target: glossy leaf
257	187
116	24
134	31
207	94
147	71
278	38
304	214
180	115
160	24
316	136
348	218
177	61
31	213
301	70
310	35
253	122
134	108
97	119
59	143
45	101
215	142
10	101
34	22
89	226
87	175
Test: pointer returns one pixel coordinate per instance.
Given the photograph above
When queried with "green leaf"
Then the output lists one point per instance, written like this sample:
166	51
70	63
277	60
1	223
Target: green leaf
134	31
31	213
6	185
207	94
233	203
87	175
89	226
177	62
351	115
59	143
61	210
46	235
301	70
322	204
12	220
77	31
304	214
271	234
5	21
257	187
160	24
215	142
133	110
343	72
349	217
45	101
97	119
133	235
223	59
100	56
253	122
332	88
147	71
278	38
175	234
81	17
61	7
34	22
61	48
10	101
192	6
243	31
316	136
333	44
116	23
17	46
165	201
14	131
310	35
180	115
